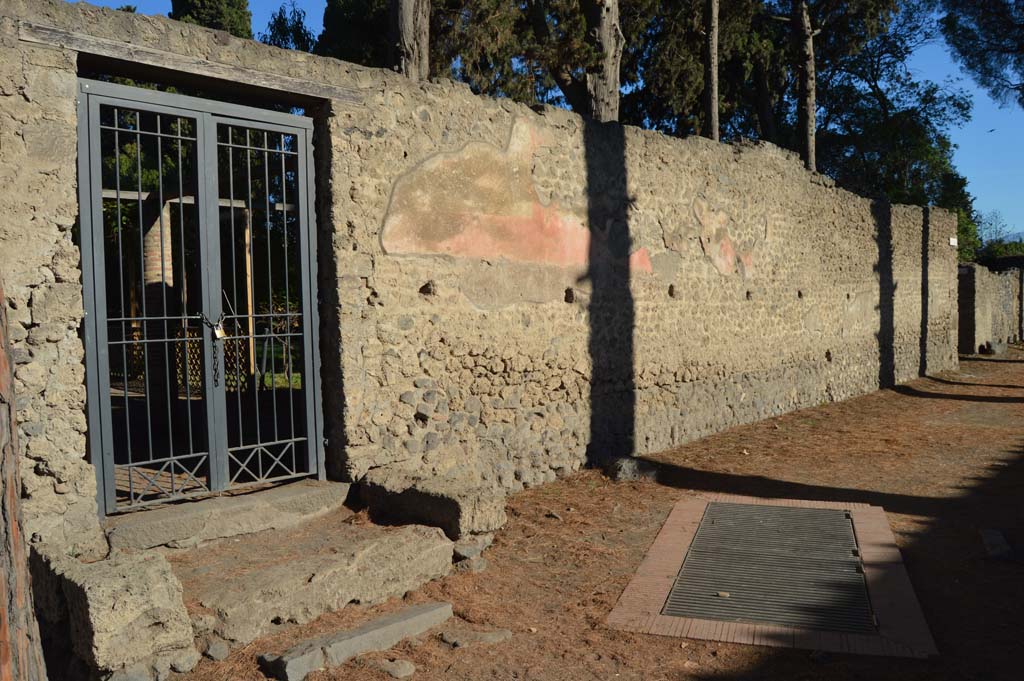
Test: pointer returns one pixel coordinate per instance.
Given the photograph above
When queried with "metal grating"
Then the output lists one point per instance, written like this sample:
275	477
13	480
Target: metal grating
797	567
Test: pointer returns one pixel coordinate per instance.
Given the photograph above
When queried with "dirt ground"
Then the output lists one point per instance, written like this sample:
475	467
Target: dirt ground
944	456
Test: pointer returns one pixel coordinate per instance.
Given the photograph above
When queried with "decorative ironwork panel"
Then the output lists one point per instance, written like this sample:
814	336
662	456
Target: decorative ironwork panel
154	302
260	219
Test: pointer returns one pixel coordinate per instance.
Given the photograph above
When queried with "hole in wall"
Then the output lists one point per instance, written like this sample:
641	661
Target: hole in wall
570	295
800	295
429	289
828	356
750	295
671	290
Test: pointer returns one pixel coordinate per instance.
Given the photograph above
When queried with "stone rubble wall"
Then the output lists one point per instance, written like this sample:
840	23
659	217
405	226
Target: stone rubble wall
41	262
21	653
504	293
471	326
754	288
991	308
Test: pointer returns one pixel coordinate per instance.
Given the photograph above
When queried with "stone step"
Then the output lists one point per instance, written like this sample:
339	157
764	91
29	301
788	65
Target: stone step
236	589
460	507
192	524
332	650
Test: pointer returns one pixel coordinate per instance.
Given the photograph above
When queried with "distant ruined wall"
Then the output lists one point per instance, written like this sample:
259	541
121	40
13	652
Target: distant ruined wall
991	308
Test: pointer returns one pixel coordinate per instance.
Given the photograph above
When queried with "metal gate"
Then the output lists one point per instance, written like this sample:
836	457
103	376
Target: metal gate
199	272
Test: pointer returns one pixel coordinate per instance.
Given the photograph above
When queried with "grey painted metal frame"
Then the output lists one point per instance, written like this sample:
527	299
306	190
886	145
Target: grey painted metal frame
207	115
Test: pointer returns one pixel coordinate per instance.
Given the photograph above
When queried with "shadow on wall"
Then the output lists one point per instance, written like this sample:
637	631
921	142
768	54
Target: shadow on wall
882	212
926	234
611	308
332	391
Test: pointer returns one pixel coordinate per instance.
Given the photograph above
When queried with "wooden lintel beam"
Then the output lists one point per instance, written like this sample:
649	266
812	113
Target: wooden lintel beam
47	35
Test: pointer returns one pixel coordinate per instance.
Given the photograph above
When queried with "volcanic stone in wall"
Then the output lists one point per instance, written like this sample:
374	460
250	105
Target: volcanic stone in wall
20	651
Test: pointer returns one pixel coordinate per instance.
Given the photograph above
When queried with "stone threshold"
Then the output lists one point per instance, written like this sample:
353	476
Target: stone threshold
193	523
241	588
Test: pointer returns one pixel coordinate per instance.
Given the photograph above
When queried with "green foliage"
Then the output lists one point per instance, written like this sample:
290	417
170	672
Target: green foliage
995	235
968	242
232	16
987	37
533	51
356	31
884	133
287	29
663	69
881	131
999	248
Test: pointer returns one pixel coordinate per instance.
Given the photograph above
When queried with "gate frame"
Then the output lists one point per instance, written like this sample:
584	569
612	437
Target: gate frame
207	113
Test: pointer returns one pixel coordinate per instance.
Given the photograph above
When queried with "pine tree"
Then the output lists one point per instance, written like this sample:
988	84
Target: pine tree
232	16
987	37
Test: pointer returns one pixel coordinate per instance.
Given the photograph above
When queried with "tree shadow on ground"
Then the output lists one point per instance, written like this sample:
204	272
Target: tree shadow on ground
915	392
944	381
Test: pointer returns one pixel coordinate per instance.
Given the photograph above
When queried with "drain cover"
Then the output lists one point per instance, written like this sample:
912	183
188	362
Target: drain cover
780	565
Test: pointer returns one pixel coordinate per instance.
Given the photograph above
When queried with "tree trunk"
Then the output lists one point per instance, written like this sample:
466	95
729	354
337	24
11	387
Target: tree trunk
605	36
807	108
711	68
21	657
410	38
765	104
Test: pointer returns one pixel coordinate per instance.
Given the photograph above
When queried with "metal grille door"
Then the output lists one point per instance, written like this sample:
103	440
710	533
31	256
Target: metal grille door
199	270
791	566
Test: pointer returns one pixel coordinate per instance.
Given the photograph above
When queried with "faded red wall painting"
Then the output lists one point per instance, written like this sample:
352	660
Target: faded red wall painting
718	244
480	202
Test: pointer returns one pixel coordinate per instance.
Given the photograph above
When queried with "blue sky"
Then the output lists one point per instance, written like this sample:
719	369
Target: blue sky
993	162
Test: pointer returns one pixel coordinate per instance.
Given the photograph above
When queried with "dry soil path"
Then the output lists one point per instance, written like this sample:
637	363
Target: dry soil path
944	456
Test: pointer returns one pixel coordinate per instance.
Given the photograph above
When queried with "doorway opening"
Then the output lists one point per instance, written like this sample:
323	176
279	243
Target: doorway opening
199	260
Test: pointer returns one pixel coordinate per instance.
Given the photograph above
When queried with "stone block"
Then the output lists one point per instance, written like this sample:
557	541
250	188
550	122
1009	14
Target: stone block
335	649
125	612
299	573
295	664
58	302
385	632
188	525
459	506
472	546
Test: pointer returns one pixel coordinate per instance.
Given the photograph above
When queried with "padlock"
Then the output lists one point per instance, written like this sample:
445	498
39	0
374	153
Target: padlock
219	333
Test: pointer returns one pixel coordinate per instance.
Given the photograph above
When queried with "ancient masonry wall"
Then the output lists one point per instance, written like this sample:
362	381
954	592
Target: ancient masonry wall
504	293
503	287
991	308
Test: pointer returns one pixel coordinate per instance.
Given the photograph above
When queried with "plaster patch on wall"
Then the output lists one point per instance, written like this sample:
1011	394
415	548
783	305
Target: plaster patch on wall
480	202
719	243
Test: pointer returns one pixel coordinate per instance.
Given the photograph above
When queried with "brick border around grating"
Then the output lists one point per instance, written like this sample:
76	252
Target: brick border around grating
902	629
